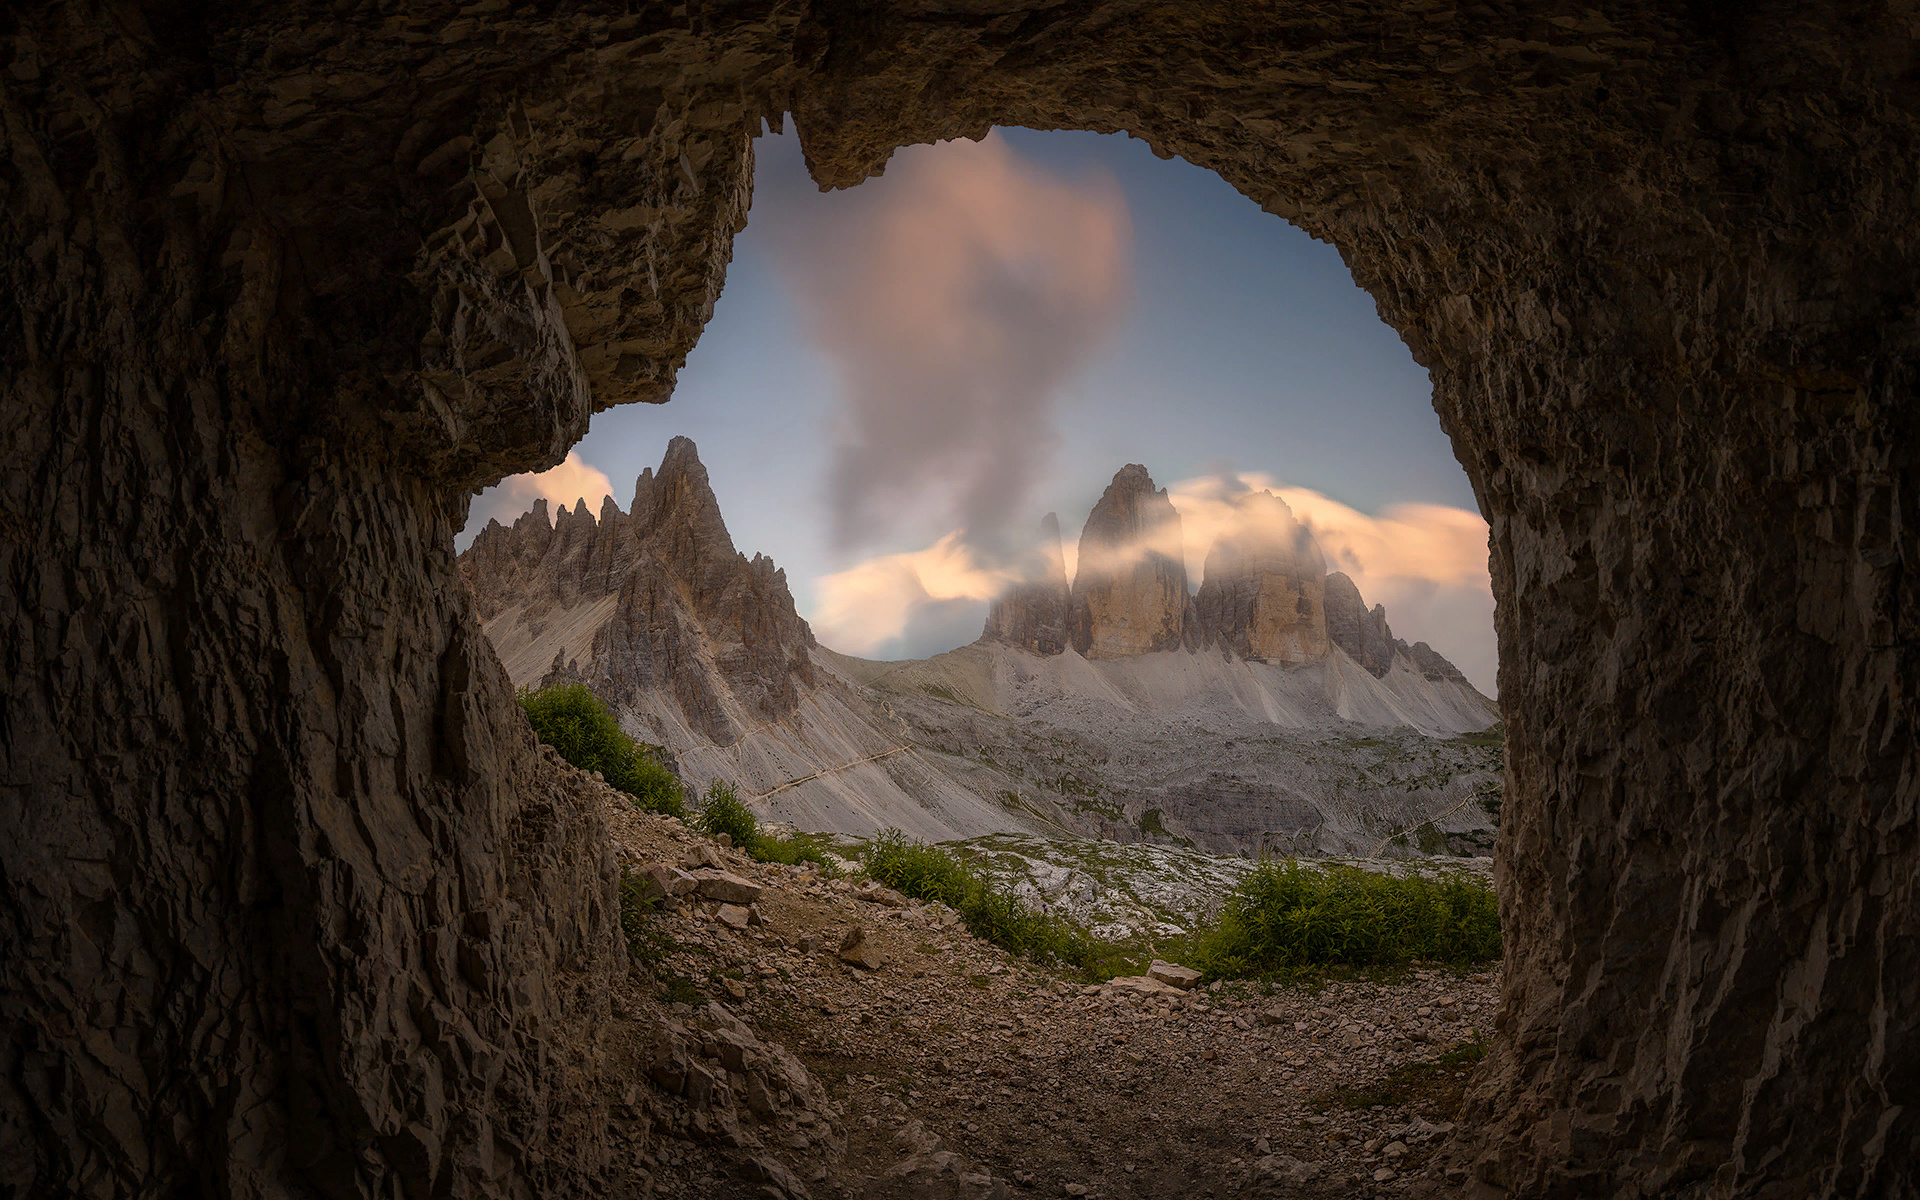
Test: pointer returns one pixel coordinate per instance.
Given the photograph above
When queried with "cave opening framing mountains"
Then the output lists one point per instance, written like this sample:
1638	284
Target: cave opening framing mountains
285	284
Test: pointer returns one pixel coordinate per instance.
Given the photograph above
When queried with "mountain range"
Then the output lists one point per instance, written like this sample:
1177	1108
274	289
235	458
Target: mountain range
1270	710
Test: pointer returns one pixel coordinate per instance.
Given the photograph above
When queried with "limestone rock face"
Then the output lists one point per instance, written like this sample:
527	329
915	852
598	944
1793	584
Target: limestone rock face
688	616
1130	582
1033	615
1264	594
1362	632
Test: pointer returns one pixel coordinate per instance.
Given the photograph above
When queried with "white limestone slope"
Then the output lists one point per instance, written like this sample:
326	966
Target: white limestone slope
1199	748
1180	685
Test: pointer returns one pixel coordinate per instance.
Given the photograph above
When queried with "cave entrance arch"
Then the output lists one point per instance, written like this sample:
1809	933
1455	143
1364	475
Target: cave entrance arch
282	857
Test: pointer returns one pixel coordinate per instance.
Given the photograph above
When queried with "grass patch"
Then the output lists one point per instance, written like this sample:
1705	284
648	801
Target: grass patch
722	811
638	904
647	942
1493	735
1434	1087
989	908
1284	917
574	722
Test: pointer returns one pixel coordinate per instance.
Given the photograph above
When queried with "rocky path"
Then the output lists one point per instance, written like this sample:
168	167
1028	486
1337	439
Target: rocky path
954	1070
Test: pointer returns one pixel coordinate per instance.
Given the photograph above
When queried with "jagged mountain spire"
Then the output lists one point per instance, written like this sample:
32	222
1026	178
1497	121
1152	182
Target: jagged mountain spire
689	615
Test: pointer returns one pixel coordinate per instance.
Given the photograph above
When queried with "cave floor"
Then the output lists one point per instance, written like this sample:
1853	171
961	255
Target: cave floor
1029	1080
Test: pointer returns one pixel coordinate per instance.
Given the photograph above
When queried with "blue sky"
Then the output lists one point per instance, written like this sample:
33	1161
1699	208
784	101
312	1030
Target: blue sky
1231	342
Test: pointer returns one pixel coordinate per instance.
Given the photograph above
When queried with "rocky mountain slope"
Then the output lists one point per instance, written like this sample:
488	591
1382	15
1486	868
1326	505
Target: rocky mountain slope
653	609
1272	711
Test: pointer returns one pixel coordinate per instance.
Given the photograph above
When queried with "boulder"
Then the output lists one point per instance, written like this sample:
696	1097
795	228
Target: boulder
725	886
875	893
1173	974
856	949
671	880
1141	985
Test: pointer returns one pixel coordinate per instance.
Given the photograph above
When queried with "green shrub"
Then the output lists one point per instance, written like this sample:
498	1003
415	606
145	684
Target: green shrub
920	871
1284	917
722	811
572	720
795	849
639	902
990	909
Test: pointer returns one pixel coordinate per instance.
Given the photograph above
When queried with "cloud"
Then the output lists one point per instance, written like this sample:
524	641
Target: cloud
955	296
908	605
1426	562
572	480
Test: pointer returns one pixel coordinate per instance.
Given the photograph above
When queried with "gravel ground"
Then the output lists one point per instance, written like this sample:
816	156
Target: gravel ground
954	1069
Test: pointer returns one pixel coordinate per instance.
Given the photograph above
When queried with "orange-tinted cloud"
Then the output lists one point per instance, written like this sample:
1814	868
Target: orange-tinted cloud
870	607
1426	562
572	480
955	296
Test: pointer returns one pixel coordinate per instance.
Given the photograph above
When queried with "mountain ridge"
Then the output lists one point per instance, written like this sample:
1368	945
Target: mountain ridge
1245	725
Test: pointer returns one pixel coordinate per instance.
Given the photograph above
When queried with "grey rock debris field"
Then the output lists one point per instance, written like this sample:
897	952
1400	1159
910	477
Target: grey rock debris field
943	1066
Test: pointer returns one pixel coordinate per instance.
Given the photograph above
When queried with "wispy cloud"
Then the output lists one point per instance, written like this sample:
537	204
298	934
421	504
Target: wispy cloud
907	604
955	296
574	479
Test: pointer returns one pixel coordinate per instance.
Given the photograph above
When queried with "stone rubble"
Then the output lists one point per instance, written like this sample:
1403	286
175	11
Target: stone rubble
853	1048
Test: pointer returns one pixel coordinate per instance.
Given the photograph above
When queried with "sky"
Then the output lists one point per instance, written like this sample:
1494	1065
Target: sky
900	379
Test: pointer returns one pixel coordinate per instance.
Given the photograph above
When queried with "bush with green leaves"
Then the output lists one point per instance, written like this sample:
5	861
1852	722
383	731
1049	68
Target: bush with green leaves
795	849
574	722
1286	917
989	908
722	811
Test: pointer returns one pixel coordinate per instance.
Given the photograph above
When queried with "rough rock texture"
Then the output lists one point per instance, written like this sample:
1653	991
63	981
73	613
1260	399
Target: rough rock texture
283	283
1264	594
1361	632
690	615
1033	615
1130	580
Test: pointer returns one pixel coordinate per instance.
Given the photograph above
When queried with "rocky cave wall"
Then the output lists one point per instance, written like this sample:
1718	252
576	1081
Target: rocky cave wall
285	284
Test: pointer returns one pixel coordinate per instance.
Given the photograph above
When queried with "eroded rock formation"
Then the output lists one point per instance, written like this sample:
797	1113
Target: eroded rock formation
284	283
1362	632
684	613
1130	579
1033	615
1264	593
